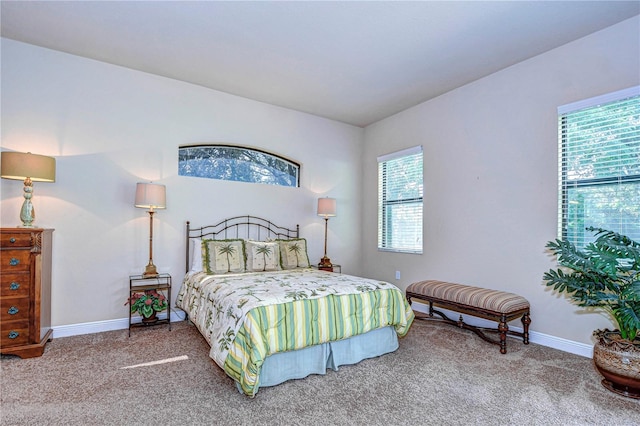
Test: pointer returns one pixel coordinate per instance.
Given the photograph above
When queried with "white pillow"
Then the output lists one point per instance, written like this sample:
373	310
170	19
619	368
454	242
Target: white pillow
262	256
195	254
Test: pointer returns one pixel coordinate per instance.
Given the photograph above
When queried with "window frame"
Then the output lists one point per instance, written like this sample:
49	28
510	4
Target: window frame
580	237
384	241
295	165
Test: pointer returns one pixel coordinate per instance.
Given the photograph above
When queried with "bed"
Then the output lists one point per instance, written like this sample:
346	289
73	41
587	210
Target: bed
269	316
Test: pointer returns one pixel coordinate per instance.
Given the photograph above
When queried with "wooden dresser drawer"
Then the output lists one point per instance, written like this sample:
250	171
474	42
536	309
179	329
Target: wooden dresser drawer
14	333
9	240
15	260
15	285
14	309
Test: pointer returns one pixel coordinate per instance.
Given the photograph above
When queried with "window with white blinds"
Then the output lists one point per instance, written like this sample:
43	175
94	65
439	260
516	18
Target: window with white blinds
599	166
400	201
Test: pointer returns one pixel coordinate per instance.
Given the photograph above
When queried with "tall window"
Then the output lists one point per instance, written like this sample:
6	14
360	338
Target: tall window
237	163
599	143
400	201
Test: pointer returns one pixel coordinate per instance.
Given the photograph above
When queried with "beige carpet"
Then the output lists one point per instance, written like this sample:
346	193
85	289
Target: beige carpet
440	375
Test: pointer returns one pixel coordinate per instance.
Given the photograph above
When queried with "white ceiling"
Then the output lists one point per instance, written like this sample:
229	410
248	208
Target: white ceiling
356	62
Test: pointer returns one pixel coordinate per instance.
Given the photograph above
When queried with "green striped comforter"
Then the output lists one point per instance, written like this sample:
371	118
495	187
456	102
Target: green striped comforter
247	317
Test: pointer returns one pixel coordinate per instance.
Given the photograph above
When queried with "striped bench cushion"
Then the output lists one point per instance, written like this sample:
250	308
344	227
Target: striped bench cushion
492	300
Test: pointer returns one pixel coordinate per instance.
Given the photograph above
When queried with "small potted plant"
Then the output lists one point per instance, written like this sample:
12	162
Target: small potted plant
606	275
147	304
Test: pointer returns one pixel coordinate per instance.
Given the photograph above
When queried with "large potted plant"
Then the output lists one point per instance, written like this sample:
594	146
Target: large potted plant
606	275
147	304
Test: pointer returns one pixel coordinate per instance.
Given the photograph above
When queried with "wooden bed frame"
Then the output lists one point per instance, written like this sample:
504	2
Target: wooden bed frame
247	227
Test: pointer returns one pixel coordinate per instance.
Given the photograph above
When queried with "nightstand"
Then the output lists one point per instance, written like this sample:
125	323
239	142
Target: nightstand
140	284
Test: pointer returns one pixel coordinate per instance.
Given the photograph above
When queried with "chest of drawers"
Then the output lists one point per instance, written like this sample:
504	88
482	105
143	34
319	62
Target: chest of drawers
25	291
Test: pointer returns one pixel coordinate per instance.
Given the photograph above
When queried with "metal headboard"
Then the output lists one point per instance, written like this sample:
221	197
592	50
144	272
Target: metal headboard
247	227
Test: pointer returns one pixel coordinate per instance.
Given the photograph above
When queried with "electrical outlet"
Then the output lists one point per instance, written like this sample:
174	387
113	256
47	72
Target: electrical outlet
397	275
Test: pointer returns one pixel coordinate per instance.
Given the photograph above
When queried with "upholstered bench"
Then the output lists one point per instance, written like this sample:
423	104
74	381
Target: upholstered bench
493	305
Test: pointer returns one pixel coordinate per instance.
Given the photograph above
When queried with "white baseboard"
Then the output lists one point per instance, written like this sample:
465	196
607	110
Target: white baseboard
554	342
179	315
108	325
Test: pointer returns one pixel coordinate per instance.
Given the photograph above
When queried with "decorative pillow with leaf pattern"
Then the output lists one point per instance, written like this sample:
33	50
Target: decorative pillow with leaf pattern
262	256
223	256
293	253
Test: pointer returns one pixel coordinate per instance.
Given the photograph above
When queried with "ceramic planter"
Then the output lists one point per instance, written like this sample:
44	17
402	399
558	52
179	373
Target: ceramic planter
618	360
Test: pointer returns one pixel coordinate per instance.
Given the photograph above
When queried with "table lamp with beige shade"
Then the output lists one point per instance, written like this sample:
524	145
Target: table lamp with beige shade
150	196
326	209
30	168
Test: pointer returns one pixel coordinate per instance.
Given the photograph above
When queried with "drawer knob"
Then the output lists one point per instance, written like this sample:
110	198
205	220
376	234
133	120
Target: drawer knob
13	310
14	261
12	240
13	334
14	286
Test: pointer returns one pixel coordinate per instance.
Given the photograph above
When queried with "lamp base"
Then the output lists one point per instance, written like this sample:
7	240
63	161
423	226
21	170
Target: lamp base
150	271
27	212
325	262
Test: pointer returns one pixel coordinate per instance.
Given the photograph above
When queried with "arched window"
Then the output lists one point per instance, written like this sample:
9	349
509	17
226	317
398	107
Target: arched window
237	163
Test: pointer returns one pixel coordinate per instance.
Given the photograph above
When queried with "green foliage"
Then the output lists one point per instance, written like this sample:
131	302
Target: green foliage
147	303
606	274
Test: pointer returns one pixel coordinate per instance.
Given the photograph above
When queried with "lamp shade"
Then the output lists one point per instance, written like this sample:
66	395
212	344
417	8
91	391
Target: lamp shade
20	165
326	207
151	196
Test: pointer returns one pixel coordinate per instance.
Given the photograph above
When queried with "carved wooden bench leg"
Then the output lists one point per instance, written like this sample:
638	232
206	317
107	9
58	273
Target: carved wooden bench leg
526	320
503	328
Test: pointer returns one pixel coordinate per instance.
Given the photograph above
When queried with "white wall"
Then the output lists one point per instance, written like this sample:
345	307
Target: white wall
109	127
490	174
